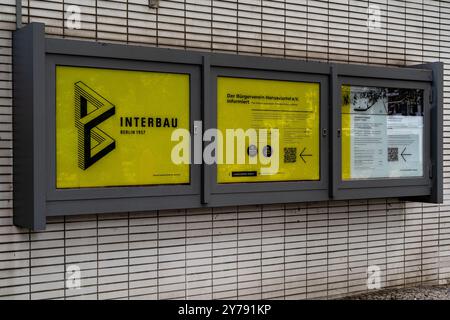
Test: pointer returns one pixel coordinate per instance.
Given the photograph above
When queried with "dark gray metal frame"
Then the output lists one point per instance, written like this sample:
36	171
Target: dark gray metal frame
35	197
184	195
436	133
382	187
267	192
429	188
29	123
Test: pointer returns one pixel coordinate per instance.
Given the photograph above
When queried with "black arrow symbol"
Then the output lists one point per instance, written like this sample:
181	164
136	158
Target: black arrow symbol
403	154
304	155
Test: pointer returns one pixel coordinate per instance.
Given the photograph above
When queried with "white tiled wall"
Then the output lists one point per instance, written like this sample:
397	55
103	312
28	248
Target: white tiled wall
292	251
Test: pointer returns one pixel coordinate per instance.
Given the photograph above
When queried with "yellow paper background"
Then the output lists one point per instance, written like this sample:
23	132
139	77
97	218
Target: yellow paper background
346	134
235	115
143	159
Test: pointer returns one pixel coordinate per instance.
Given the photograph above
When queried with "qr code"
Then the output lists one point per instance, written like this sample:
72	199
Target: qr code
392	154
290	155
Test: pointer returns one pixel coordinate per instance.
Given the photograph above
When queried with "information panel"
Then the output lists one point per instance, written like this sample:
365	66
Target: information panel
113	127
382	132
292	108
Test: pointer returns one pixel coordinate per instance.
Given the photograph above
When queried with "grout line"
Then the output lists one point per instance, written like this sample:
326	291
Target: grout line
237	253
261	260
212	254
97	264
65	259
127	20
185	254
96	20
128	251
63	20
284	251
157	254
29	264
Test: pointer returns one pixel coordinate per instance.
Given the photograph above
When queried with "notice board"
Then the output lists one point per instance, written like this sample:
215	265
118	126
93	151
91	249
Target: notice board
382	132
93	127
288	106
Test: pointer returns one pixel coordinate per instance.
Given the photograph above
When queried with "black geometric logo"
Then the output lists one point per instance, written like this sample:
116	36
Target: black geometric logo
93	143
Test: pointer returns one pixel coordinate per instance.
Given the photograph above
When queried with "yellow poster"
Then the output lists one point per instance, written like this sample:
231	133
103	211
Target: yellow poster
292	108
346	132
113	127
